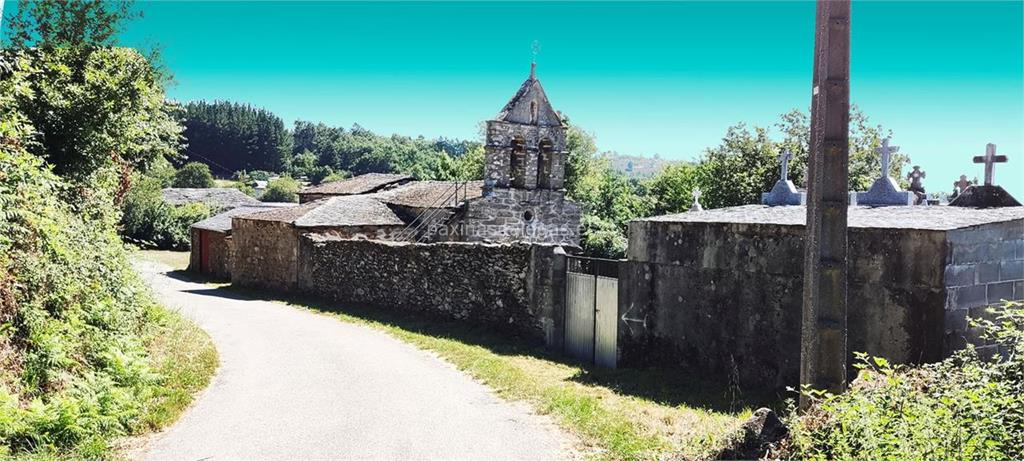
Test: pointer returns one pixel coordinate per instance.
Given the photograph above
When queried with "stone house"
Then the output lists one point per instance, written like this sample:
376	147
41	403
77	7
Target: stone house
359	185
266	244
721	290
212	243
217	198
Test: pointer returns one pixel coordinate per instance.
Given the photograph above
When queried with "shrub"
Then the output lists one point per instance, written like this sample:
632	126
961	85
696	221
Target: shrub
601	238
964	407
148	221
194	174
284	189
74	370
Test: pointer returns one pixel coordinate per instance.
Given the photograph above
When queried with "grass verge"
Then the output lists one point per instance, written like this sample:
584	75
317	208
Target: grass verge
625	414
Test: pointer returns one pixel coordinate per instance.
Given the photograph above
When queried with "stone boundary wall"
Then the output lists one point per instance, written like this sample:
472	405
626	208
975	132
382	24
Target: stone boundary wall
725	298
512	287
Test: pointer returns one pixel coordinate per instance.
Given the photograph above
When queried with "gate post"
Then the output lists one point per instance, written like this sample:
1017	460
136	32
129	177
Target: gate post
559	266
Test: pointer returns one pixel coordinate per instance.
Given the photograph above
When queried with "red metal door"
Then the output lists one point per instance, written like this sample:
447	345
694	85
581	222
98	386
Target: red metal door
204	251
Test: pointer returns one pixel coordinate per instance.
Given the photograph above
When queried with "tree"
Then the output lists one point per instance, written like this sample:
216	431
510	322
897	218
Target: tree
99	113
672	189
230	137
67	23
195	175
284	189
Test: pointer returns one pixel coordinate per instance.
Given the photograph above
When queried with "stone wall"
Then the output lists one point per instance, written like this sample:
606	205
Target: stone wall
499	151
265	254
985	265
506	215
726	297
507	286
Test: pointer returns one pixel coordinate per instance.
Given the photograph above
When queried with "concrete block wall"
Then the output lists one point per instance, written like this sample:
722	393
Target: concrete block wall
984	265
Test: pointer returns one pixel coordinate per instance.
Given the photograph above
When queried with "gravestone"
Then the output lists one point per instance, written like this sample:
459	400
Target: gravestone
915	184
961	185
696	200
784	192
986	195
886	191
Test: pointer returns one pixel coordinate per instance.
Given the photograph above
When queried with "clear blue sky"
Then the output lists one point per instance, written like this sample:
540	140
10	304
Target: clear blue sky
645	78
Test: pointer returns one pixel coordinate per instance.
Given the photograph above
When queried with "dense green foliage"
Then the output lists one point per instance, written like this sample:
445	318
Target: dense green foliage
76	321
194	174
150	222
230	137
283	189
964	407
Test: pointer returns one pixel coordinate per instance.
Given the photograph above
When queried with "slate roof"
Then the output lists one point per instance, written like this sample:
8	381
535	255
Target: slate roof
340	211
362	184
217	197
222	222
518	109
430	194
935	217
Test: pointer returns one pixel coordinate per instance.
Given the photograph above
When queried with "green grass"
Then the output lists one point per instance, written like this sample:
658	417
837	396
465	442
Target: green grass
177	260
185	356
625	414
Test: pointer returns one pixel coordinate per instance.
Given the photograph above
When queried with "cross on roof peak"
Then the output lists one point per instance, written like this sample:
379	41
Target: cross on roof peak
990	159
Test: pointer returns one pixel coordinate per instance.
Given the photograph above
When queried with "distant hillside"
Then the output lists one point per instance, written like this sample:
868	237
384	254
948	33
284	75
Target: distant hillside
636	166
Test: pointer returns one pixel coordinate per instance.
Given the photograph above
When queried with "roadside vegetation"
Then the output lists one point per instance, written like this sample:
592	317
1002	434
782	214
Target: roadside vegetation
86	355
967	407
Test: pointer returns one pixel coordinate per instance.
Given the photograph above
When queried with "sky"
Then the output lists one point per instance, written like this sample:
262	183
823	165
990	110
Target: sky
645	78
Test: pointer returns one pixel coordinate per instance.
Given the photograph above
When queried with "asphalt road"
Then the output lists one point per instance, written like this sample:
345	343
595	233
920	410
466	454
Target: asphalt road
294	385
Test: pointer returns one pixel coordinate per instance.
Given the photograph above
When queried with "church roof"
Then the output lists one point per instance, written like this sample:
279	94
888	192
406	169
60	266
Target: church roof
520	108
431	194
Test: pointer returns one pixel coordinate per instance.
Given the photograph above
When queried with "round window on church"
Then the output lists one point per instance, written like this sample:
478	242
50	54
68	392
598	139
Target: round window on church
528	216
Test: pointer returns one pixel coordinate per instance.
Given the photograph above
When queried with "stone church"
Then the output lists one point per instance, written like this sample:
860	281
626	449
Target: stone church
524	175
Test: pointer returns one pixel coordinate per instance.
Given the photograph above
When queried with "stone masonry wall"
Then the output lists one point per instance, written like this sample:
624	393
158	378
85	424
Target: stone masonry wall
726	298
265	254
985	265
502	217
503	286
499	152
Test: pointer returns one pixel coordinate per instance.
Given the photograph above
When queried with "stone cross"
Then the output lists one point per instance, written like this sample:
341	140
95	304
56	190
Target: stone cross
915	178
696	200
784	158
886	152
990	159
962	184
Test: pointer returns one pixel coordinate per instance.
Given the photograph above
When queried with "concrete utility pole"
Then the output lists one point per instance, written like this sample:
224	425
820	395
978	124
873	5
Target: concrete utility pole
823	333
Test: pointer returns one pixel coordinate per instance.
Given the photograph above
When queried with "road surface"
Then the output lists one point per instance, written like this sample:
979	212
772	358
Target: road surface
294	385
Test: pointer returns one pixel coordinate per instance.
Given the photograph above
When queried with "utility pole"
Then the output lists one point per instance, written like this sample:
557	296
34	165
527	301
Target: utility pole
823	331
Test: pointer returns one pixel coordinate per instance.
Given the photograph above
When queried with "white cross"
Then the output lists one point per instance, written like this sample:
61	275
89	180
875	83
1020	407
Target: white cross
886	151
784	167
990	159
696	200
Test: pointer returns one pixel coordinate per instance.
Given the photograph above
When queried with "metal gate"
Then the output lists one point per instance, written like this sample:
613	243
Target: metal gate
592	309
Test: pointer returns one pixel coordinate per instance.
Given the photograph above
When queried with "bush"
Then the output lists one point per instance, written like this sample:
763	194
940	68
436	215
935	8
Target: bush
195	175
150	222
284	189
964	407
74	369
601	238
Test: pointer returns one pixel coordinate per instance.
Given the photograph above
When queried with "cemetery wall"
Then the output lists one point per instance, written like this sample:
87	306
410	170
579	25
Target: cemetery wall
726	297
985	265
513	287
